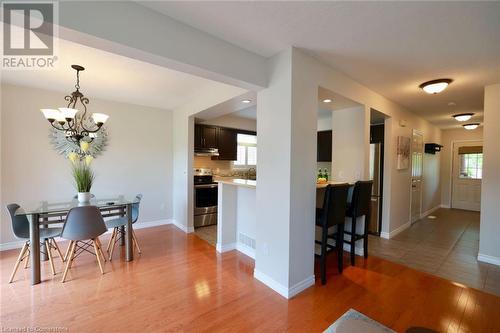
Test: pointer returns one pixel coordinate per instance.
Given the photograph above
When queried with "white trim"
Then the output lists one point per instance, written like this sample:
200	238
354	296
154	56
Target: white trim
138	225
181	226
221	248
389	235
247	250
445	206
429	211
281	289
301	286
488	259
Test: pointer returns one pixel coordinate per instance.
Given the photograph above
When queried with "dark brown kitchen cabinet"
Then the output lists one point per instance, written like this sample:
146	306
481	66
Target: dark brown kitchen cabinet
324	146
227	144
205	136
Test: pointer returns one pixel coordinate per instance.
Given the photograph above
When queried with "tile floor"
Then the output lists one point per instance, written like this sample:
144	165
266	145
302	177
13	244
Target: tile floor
446	246
208	234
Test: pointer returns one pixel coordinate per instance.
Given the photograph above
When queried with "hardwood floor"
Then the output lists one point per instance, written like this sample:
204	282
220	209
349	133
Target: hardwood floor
180	284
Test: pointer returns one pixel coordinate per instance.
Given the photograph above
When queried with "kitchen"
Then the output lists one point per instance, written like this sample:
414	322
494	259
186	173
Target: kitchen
236	191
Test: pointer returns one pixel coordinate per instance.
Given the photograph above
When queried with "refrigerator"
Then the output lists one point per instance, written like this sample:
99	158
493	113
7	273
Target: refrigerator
376	169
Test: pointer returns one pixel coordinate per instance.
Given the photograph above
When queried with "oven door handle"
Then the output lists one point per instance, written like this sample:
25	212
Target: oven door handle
206	186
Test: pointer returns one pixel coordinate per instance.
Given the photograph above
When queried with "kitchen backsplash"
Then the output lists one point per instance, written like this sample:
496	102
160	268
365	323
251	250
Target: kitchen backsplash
219	168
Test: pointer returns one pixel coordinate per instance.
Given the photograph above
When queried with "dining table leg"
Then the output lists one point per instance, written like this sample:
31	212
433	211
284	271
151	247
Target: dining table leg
35	249
44	250
129	250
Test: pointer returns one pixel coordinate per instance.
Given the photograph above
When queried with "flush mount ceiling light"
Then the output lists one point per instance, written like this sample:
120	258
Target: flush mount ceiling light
246	101
463	116
327	100
471	126
435	86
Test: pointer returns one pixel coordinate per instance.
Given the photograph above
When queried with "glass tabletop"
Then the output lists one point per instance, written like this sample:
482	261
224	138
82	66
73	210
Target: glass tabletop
45	207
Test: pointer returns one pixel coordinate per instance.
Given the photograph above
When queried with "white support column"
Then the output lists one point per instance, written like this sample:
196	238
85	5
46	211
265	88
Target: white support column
351	144
286	129
226	217
489	247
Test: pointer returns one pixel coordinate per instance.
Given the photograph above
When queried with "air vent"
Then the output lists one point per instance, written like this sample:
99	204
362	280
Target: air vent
248	241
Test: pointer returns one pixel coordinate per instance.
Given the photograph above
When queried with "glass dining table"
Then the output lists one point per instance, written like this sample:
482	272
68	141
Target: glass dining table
46	213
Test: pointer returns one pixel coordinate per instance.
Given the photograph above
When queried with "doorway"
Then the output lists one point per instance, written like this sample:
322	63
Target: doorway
467	174
417	152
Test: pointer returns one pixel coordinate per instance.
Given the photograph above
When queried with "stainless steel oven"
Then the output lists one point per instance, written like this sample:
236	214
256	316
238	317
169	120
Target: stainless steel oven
205	198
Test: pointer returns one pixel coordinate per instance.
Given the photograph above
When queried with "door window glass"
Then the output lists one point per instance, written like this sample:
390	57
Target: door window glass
471	166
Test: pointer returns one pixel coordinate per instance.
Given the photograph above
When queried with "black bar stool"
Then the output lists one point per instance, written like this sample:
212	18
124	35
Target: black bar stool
360	206
332	214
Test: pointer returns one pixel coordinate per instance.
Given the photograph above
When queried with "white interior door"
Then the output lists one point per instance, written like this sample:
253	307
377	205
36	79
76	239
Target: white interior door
417	152
467	173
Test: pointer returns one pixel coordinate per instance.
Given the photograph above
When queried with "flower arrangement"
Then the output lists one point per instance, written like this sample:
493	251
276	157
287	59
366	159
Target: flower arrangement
83	175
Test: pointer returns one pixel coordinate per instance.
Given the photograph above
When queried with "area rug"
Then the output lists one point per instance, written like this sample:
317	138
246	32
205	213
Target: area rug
355	322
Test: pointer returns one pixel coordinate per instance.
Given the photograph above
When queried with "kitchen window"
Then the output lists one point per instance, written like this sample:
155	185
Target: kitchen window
247	151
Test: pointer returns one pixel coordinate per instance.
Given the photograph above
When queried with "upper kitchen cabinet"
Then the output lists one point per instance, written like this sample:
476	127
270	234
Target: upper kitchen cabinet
205	136
324	146
227	144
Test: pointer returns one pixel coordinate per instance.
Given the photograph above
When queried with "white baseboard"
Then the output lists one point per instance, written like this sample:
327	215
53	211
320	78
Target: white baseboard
247	250
445	206
281	289
138	225
430	211
184	228
221	248
389	235
488	259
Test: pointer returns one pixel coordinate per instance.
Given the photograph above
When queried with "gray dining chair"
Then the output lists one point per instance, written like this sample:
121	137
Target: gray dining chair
21	228
118	223
82	228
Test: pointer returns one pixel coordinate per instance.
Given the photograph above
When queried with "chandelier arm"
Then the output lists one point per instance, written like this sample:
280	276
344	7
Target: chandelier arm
85	100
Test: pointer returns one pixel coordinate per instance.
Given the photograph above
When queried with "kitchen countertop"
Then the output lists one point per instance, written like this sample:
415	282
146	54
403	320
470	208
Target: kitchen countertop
331	182
238	182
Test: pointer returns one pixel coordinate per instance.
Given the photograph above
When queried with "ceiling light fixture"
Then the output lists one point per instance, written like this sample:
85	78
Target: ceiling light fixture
327	100
471	126
76	125
435	86
246	101
463	116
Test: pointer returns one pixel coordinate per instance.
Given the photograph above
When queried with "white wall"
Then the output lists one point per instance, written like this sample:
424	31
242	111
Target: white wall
396	182
138	158
349	144
489	247
232	121
448	137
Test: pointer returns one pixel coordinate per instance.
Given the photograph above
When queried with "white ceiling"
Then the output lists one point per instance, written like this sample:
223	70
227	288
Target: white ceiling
390	47
113	77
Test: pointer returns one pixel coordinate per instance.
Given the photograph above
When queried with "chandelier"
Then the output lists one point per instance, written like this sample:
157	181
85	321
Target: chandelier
74	122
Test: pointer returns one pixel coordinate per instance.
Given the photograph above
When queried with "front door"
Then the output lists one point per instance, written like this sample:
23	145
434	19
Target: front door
417	152
467	171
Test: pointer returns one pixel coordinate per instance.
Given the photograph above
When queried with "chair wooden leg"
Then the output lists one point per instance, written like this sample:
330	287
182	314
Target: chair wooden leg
57	249
73	253
134	239
113	241
101	252
324	240
96	249
353	241
26	263
110	240
340	247
18	261
67	251
49	254
69	258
